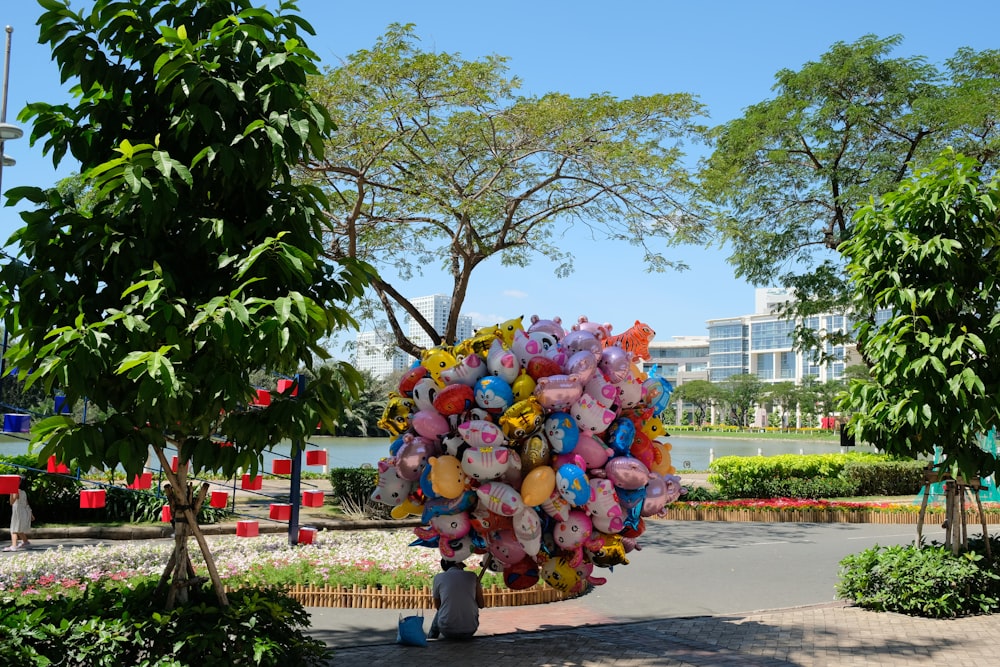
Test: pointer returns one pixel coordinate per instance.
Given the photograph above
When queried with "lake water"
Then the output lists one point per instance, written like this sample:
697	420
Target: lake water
688	453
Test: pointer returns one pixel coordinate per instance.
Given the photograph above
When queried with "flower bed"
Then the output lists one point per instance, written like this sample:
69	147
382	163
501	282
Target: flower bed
366	569
797	510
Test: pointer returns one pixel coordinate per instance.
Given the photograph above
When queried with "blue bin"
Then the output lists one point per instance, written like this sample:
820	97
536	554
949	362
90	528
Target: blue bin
14	423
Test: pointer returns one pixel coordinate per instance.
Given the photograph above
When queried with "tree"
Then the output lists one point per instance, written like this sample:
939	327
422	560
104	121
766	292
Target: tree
741	393
193	262
437	163
786	179
361	414
929	254
784	395
701	394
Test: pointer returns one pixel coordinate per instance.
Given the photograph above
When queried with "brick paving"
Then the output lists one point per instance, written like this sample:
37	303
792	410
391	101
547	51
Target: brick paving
827	635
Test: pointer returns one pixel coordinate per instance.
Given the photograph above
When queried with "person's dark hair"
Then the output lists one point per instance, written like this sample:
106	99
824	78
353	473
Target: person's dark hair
448	564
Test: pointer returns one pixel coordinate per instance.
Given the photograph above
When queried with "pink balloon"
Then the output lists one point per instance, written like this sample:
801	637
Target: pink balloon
558	392
594	452
429	424
582	364
627	472
615	364
505	548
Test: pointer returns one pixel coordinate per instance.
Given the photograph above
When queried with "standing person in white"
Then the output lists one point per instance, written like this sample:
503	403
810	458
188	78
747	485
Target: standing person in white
20	519
458	597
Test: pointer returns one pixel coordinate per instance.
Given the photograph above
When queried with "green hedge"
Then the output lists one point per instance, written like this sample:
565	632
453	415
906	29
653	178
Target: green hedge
768	476
353	484
926	581
886	478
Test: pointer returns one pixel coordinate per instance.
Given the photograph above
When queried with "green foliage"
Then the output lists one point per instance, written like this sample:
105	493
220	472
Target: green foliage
740	393
808	487
52	497
927	255
885	478
928	581
437	162
353	484
699	393
116	626
134	506
767	476
192	261
788	176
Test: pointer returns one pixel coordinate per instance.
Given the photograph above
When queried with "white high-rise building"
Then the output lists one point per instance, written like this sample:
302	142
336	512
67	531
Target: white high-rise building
376	353
376	350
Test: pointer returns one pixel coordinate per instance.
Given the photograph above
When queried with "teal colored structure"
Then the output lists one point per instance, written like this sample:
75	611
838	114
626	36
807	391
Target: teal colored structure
990	493
936	490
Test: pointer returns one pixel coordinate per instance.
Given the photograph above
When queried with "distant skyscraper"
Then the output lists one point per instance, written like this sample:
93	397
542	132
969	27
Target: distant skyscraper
373	346
375	352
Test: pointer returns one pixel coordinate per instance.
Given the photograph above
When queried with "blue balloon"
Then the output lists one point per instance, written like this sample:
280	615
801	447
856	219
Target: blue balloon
561	432
573	485
395	445
620	435
493	394
425	483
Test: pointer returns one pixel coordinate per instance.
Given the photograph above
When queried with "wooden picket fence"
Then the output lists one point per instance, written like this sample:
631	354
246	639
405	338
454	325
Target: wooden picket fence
813	516
369	597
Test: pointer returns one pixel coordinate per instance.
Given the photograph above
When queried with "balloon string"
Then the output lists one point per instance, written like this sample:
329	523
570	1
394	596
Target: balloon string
486	565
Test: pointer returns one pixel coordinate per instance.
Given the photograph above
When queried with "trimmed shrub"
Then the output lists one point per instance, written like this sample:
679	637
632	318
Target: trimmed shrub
755	476
353	484
815	487
886	478
929	581
115	626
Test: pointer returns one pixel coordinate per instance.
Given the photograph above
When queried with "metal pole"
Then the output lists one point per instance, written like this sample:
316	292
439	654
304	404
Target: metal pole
3	99
3	119
295	485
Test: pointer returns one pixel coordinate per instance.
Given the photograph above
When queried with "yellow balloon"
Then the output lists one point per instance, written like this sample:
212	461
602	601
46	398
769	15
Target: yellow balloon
407	508
538	486
524	387
447	477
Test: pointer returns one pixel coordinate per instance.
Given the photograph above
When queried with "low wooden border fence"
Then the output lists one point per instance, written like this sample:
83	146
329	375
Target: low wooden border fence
813	516
381	597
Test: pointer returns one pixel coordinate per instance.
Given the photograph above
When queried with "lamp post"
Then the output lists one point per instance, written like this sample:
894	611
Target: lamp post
7	132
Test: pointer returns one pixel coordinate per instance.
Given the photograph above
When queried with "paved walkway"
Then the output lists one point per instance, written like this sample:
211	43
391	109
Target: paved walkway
827	635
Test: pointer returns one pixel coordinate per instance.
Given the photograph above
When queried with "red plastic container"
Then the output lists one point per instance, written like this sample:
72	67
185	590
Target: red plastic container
281	466
92	498
252	483
9	484
312	498
316	457
307	535
166	516
142	481
247	529
219	499
280	512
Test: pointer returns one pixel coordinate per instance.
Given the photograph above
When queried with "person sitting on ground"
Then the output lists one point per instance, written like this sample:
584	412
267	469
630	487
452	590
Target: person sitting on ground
20	519
458	597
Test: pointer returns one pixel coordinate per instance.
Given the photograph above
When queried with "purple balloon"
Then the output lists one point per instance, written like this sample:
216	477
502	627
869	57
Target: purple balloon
575	341
656	495
582	364
627	472
412	457
615	363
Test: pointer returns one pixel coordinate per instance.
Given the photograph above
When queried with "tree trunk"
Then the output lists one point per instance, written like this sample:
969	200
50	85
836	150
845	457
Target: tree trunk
184	508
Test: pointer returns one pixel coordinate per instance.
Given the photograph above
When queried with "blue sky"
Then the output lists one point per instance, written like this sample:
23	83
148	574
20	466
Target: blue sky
726	52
